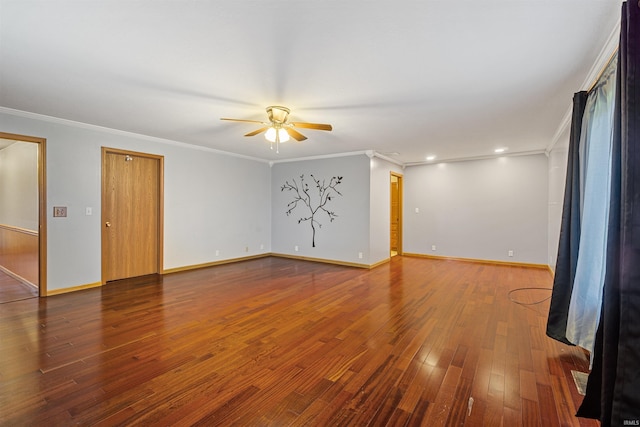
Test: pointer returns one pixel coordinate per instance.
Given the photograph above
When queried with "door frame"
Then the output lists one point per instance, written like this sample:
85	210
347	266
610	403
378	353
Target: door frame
160	231
42	205
399	176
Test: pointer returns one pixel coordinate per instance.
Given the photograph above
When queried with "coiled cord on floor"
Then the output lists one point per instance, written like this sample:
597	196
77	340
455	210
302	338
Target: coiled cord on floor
528	289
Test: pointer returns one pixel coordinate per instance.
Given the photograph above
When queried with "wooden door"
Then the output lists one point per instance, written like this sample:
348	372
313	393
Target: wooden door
131	214
396	214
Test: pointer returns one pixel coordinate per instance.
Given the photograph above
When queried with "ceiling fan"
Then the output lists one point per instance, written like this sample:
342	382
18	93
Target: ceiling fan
278	129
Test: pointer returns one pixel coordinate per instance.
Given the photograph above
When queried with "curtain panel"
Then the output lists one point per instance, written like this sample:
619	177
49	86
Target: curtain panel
567	258
580	268
613	387
596	144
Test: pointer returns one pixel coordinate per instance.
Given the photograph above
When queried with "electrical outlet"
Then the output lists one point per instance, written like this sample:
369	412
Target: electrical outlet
510	253
433	247
360	255
217	252
295	248
60	211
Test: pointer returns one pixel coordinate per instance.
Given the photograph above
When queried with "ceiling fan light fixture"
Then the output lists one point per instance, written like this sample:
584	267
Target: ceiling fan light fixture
273	134
278	129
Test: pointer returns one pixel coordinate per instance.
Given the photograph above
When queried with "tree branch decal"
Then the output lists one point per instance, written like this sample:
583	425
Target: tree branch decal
302	195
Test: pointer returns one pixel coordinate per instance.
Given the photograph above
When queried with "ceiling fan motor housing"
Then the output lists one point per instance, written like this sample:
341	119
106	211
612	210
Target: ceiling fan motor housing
278	114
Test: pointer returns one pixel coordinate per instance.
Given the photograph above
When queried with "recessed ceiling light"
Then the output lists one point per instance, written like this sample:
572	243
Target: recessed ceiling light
499	150
429	158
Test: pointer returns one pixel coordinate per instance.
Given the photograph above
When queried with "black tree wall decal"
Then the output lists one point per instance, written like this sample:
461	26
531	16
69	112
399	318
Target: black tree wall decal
302	194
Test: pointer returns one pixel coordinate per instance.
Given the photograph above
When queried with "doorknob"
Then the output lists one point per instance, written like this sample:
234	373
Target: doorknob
107	224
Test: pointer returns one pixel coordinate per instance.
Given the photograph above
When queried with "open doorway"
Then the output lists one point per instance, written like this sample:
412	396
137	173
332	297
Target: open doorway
396	215
22	217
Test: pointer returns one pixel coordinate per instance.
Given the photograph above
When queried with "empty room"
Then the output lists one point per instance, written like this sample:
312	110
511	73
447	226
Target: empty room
319	213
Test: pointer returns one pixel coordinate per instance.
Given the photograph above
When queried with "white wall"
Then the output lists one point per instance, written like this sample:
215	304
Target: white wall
212	201
478	209
219	206
340	240
380	208
557	176
19	185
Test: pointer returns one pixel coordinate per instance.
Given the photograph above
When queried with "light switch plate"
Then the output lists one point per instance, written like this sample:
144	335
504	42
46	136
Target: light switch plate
59	211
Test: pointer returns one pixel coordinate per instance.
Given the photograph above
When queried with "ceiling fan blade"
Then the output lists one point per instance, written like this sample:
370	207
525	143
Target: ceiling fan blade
318	126
296	135
242	120
255	132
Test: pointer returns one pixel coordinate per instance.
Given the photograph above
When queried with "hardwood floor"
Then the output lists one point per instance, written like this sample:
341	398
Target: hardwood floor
284	342
12	289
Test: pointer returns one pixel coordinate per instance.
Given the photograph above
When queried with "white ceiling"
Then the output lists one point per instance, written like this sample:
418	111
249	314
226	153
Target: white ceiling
456	79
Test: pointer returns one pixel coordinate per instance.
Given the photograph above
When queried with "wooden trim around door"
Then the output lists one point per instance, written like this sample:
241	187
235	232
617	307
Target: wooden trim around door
105	151
42	205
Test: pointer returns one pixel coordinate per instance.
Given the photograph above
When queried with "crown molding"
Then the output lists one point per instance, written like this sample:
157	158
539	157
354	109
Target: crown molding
319	157
608	50
80	125
485	157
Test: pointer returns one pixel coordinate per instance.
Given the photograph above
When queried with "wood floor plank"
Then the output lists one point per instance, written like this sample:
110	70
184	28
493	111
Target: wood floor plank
548	412
528	386
280	342
475	413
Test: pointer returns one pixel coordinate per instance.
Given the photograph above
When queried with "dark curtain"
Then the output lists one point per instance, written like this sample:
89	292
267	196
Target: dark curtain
613	388
569	230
